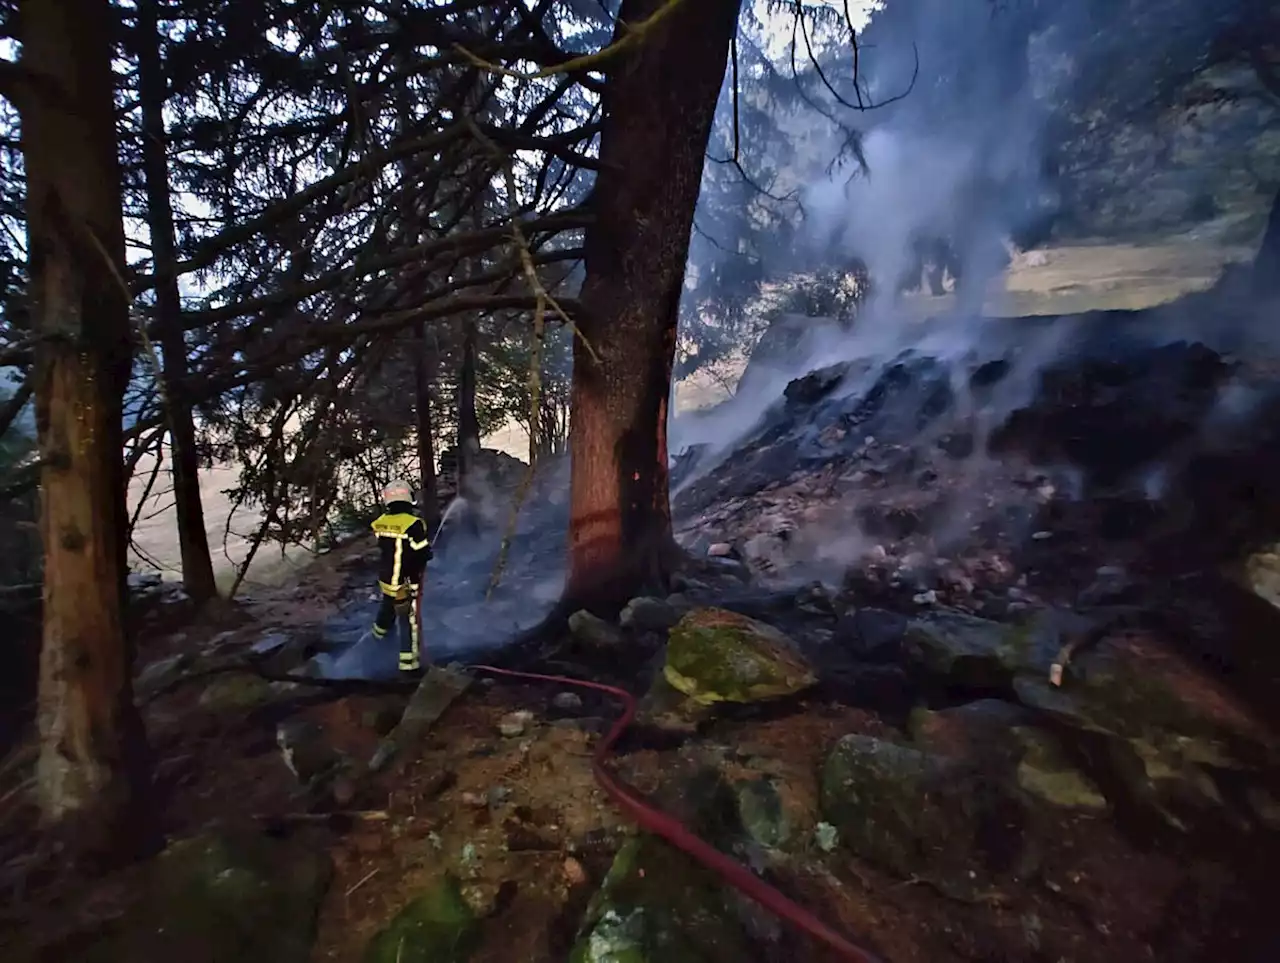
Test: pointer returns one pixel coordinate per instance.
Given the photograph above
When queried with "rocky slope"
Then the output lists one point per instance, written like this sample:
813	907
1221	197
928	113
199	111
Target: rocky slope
966	661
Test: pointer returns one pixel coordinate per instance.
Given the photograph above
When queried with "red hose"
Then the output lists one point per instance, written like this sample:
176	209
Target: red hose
666	826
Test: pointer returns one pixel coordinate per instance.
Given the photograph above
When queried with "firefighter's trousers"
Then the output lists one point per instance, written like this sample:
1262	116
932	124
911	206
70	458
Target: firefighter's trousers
400	605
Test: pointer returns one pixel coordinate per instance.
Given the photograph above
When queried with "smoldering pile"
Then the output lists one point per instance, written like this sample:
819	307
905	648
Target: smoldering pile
1054	467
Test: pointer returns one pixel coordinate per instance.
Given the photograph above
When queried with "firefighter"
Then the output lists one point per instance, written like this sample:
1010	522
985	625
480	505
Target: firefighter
405	551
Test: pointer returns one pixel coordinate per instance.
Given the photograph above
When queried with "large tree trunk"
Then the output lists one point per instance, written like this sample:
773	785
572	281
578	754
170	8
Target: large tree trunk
1266	266
193	537
659	103
92	773
425	372
468	423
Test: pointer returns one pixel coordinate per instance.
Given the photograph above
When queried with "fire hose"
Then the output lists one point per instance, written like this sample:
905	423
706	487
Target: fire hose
667	827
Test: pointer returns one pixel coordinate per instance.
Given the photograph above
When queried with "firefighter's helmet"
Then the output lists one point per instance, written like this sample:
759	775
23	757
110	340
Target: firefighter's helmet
397	491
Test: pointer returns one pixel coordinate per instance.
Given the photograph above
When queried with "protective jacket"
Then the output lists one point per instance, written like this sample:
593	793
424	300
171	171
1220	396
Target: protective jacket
405	548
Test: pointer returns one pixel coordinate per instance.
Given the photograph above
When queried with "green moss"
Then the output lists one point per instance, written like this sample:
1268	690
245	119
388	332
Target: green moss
223	899
762	814
718	656
235	691
1047	775
658	906
437	927
915	815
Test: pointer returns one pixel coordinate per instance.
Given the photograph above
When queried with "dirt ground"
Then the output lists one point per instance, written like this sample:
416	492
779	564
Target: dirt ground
522	819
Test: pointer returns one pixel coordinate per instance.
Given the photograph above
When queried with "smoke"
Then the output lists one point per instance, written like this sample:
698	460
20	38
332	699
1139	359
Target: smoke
461	617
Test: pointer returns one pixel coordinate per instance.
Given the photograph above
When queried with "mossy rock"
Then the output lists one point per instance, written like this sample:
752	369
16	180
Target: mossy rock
236	691
658	906
1045	773
714	655
436	927
963	649
920	816
1136	691
976	731
666	708
765	817
223	899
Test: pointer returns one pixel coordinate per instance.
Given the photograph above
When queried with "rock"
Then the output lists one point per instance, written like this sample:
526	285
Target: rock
574	874
594	632
435	693
998	737
765	551
1262	574
515	723
762	813
1048	776
666	709
1164	724
714	655
1135	687
236	692
964	649
658	906
979	732
156	675
437	927
306	751
872	635
919	816
224	898
567	702
720	550
816	385
646	614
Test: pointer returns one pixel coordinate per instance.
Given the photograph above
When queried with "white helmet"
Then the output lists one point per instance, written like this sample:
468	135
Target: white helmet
398	490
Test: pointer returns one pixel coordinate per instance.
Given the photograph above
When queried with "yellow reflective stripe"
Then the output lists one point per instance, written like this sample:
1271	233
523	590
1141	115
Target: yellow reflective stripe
395	525
395	567
418	546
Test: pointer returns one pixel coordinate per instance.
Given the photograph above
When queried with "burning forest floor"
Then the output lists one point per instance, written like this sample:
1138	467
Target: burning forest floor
969	659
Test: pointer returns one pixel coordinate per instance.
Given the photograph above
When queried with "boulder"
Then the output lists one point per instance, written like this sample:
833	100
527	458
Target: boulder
921	816
666	709
594	632
236	692
1045	773
715	655
976	732
1164	724
645	614
658	906
871	634
964	650
436	927
765	817
223	899
1000	738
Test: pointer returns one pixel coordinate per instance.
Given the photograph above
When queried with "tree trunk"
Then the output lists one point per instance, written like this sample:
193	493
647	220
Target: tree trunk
468	423
193	537
659	103
92	772
425	371
1266	266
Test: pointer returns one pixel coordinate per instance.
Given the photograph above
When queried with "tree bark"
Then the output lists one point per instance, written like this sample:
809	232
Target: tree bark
92	771
425	372
1266	265
193	537
468	422
659	103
